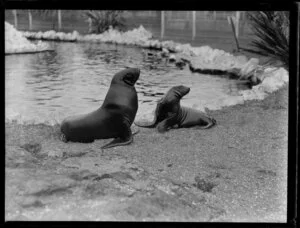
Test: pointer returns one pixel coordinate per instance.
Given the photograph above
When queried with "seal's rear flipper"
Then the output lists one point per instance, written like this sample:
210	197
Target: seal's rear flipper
210	124
118	142
125	139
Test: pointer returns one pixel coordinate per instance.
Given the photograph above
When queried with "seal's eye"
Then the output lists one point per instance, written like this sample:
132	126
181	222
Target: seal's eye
131	76
129	79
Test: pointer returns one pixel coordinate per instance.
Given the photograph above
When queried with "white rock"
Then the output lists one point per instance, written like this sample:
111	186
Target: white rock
172	57
249	66
164	50
16	42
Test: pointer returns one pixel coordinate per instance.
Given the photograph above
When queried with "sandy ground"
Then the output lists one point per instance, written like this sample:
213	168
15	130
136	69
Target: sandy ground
235	171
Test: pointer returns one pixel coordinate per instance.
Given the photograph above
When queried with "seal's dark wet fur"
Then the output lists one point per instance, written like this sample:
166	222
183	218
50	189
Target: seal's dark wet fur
169	114
113	119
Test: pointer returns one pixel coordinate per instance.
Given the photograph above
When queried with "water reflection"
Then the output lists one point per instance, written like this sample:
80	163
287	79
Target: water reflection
76	77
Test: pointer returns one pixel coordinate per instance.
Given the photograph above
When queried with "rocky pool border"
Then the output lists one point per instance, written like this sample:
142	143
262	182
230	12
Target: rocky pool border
17	43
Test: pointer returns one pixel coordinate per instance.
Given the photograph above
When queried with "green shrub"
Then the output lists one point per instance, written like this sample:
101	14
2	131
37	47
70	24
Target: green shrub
271	29
100	21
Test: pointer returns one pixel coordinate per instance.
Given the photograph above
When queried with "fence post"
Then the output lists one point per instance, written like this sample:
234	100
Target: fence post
215	19
162	32
243	21
237	20
230	20
15	18
59	19
30	19
194	25
90	25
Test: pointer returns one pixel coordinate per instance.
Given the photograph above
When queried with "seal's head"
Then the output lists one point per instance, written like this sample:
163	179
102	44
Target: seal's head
174	94
180	91
128	76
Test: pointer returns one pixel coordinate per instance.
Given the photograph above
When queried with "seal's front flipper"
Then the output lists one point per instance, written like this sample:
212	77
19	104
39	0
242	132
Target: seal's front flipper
167	123
125	139
118	142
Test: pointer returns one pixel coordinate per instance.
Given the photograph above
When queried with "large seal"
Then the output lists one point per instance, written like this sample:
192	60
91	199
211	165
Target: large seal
169	114
113	119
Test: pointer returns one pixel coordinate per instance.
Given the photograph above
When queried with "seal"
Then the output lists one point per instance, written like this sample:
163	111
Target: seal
170	114
113	119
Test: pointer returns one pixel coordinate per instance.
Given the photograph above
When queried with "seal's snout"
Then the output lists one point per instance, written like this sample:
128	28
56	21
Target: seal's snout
130	75
132	70
137	72
185	90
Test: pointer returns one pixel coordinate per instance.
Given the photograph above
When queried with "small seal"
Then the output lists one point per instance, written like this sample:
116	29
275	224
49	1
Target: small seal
169	114
113	119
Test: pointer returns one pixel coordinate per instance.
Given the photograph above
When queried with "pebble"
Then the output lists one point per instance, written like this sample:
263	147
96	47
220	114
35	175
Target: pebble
172	58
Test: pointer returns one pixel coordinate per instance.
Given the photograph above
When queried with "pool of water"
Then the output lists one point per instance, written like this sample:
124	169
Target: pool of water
75	78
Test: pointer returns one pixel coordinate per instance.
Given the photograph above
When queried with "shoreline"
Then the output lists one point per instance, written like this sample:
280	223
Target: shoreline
275	98
147	115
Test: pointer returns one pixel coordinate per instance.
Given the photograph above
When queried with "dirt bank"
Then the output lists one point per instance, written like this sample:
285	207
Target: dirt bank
236	171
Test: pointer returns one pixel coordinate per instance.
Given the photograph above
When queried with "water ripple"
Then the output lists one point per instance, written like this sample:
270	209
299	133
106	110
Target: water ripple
76	77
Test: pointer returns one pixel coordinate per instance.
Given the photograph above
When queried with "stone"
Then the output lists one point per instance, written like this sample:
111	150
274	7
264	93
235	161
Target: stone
172	58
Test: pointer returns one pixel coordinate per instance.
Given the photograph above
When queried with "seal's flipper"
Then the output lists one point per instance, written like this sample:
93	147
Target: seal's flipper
210	123
118	142
125	139
167	123
205	127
